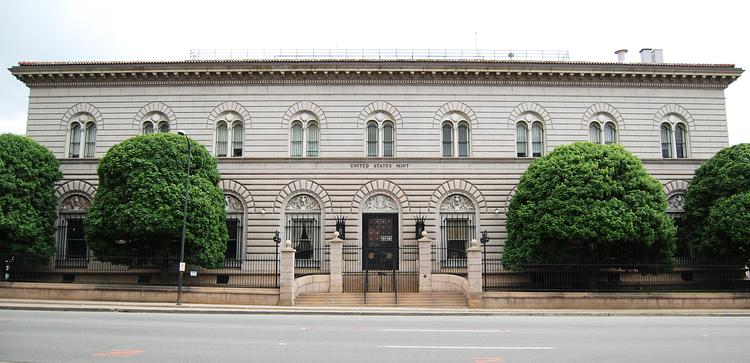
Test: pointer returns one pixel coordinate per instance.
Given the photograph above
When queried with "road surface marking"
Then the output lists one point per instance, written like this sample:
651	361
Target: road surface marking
456	347
448	330
118	353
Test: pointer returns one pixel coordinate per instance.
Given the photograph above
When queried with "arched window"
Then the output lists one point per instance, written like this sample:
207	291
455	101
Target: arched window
82	136
238	133
230	135
595	133
303	216
71	243
296	139
463	139
521	139
610	133
305	135
602	129
529	135
222	139
372	139
163	126
680	141
666	140
387	139
148	127
75	140
537	139
235	226
456	135
447	139
312	139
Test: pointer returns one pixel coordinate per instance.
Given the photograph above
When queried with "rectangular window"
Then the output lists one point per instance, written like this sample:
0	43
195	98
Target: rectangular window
666	142
536	141
463	141
447	141
221	141
521	146
88	148
312	141
297	141
75	142
237	134
372	141
387	141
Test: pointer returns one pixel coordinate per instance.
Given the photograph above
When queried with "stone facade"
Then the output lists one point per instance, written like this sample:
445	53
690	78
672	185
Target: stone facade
341	97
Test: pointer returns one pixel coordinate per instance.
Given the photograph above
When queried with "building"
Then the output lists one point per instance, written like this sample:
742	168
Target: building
383	147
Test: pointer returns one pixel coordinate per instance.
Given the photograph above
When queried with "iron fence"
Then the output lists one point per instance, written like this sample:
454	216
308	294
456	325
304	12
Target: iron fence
613	276
380	269
319	265
257	270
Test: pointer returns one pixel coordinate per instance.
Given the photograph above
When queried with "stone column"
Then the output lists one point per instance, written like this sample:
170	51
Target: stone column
425	263
474	267
286	275
337	257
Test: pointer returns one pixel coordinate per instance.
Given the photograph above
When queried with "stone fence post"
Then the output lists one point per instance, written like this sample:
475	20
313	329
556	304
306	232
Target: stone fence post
474	266
336	263
425	263
286	275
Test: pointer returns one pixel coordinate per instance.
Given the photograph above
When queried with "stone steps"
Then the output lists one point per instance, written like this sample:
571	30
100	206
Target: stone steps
426	300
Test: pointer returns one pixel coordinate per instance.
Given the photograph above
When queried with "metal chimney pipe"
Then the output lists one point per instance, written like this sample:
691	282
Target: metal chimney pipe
621	55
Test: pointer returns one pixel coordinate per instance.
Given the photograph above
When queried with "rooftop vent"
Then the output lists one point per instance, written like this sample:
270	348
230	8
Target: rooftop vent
621	55
649	55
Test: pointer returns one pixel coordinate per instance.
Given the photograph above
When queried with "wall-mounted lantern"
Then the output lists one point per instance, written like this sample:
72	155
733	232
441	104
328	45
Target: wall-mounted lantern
341	226
419	225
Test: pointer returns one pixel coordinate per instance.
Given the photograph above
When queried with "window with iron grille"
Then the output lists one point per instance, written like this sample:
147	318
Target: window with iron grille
71	243
456	230
235	216
303	216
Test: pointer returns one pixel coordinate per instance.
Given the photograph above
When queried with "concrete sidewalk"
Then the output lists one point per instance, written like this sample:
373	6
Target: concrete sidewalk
135	307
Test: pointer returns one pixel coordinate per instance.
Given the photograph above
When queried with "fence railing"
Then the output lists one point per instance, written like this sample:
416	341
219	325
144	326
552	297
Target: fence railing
449	261
380	54
315	260
614	277
257	269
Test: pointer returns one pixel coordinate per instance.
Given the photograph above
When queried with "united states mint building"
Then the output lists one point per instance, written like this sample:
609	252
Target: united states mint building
380	146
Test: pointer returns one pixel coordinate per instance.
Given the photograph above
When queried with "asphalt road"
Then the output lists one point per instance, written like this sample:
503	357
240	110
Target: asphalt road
46	336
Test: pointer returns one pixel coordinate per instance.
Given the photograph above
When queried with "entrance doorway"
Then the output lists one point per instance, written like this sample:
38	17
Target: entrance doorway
380	241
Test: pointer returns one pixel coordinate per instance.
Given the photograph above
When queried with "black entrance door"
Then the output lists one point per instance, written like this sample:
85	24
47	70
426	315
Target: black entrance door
380	241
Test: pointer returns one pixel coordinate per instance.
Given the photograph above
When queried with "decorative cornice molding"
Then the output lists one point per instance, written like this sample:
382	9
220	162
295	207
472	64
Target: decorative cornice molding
353	72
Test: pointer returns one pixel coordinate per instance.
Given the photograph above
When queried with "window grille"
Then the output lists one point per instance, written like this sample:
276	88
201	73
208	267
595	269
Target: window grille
71	243
457	230
303	229
233	255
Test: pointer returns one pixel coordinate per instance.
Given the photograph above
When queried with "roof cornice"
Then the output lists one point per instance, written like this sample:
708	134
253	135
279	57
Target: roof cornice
72	74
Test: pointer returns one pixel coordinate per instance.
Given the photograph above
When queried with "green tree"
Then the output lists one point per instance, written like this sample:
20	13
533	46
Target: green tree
28	172
717	207
588	202
138	208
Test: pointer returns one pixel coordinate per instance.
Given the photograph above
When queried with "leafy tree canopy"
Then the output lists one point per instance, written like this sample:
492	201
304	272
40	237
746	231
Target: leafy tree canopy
138	208
588	202
717	212
28	172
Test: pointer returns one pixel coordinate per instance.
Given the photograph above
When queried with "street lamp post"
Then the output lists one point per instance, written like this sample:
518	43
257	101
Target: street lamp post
184	220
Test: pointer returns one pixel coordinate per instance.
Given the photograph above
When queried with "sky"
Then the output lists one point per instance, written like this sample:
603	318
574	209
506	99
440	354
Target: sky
688	31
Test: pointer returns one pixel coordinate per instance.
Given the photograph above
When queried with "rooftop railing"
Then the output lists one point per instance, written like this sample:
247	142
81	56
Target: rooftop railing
378	54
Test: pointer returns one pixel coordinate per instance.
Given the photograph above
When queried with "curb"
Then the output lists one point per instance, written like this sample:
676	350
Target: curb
366	312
